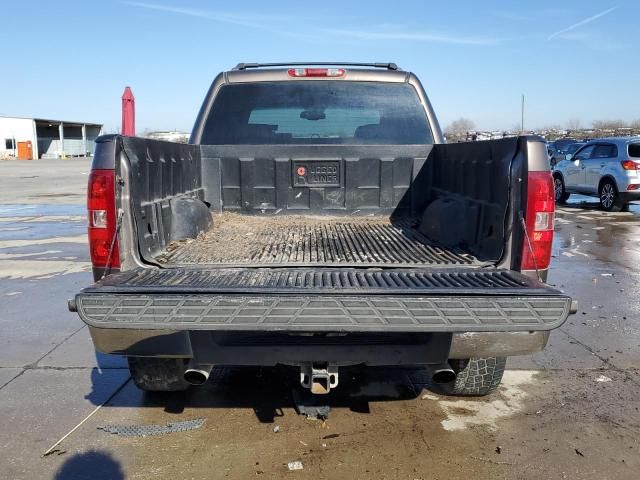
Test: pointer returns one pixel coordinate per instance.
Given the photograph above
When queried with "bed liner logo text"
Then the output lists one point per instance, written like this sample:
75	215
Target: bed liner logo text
323	174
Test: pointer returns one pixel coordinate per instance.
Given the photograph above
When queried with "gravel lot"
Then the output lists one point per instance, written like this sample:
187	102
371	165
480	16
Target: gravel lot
569	412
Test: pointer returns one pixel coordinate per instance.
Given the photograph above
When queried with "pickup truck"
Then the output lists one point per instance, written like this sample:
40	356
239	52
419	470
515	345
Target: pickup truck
318	220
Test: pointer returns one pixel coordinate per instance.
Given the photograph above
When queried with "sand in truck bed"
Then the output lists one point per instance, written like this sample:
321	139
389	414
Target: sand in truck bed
245	240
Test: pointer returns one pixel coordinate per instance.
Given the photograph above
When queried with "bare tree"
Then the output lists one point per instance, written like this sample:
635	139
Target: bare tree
608	124
573	124
635	124
459	127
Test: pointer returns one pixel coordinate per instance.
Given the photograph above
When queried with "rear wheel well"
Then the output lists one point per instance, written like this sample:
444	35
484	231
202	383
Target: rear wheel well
607	177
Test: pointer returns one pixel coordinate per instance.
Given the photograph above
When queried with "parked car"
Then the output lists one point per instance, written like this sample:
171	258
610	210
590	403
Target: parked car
608	168
551	152
562	143
317	219
558	150
573	147
570	149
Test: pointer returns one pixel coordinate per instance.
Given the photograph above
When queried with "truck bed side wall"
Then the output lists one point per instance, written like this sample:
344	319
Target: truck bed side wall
476	195
167	193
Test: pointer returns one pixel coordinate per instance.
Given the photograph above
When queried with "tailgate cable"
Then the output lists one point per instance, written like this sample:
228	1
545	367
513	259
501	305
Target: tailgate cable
113	243
526	235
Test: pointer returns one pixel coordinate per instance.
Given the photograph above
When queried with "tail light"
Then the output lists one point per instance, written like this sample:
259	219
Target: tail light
316	72
536	251
101	206
630	165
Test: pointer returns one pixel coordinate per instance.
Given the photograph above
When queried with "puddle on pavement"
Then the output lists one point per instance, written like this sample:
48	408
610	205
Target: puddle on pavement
31	222
582	230
24	210
57	195
42	230
41	241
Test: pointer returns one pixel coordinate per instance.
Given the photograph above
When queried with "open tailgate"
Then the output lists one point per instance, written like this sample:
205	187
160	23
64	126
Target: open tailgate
322	300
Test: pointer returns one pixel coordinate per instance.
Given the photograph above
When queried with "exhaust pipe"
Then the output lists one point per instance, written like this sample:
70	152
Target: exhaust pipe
443	374
197	374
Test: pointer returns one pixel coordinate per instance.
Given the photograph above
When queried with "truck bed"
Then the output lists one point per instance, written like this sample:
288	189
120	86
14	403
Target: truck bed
405	239
294	240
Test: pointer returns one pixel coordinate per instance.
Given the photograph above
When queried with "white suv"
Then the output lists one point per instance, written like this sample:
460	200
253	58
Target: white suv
608	168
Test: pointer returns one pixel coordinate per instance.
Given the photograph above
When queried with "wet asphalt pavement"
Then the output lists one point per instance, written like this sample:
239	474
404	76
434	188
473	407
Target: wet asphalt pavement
568	412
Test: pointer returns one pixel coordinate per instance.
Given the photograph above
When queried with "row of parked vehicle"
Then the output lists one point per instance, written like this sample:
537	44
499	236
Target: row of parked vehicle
607	168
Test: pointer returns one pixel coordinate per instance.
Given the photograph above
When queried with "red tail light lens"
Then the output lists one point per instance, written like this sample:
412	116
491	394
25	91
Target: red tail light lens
630	165
316	72
536	253
101	209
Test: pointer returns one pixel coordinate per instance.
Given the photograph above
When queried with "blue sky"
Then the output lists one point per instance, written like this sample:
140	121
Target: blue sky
573	59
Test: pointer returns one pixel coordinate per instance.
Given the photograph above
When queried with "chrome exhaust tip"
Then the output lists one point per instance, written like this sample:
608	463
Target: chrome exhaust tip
197	374
443	374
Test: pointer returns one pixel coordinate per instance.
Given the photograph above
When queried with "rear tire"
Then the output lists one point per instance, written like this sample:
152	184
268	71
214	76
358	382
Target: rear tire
475	376
158	374
609	198
561	194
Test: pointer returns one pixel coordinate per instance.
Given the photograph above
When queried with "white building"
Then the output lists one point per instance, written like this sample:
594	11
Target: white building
48	138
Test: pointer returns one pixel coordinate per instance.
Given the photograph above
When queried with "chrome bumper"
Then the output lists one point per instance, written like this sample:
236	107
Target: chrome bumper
497	344
172	343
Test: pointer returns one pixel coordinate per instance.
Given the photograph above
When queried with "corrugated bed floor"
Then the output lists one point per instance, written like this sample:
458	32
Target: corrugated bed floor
301	240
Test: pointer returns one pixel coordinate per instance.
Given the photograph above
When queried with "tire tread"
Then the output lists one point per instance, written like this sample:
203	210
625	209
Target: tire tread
476	376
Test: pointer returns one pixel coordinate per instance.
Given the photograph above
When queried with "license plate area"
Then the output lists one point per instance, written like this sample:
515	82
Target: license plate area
317	173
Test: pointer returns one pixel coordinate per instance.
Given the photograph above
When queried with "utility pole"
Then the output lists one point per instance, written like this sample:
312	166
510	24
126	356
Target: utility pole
522	116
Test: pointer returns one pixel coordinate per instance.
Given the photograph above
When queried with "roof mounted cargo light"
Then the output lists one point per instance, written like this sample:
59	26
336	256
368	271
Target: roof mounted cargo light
387	65
316	72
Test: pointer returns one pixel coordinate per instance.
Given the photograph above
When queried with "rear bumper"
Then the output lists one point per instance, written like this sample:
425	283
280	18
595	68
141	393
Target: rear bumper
184	344
629	196
497	344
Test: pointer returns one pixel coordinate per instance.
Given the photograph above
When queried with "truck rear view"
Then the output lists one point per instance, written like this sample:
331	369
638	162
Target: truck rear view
318	220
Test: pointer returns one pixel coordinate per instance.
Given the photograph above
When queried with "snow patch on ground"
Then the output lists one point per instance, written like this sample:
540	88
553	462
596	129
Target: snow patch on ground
506	401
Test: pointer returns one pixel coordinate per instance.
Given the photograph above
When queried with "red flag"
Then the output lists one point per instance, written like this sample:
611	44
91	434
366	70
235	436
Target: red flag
128	113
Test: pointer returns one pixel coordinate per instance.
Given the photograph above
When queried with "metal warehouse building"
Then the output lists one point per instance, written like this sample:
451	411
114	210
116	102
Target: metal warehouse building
31	138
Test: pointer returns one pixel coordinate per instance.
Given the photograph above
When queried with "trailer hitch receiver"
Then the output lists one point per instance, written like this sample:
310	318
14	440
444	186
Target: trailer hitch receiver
319	378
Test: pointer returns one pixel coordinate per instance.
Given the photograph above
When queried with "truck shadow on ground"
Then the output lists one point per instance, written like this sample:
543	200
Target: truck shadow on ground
269	390
93	464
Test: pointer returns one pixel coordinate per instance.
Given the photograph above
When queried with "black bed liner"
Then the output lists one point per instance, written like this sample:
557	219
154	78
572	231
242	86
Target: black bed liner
344	300
300	240
321	280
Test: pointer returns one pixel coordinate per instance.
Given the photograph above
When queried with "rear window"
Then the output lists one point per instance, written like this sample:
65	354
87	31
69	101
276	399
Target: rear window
634	150
317	112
